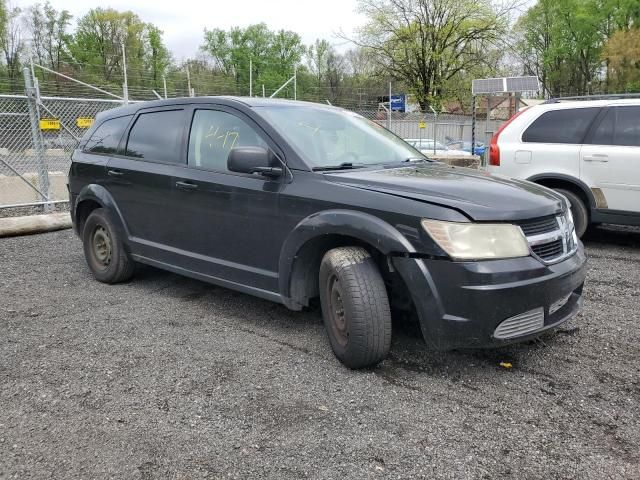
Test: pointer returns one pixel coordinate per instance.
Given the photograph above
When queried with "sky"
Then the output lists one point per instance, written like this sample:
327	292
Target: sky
184	26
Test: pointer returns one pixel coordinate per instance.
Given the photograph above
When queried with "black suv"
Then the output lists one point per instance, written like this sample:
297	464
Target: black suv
291	201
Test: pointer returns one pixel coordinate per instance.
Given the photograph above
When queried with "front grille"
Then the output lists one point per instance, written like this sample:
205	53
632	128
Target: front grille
551	239
549	251
527	322
538	226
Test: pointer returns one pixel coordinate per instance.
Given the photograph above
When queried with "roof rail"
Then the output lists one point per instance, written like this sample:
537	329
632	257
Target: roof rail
608	96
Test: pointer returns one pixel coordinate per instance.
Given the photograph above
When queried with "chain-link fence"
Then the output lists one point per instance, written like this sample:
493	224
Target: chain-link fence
38	135
36	142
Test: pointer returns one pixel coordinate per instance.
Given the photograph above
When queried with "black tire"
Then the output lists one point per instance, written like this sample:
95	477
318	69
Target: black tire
578	209
355	307
105	254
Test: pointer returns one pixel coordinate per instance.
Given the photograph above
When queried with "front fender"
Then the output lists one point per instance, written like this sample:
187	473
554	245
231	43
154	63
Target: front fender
359	225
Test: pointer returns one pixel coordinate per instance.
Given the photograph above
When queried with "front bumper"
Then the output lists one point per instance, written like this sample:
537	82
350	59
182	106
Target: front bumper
461	304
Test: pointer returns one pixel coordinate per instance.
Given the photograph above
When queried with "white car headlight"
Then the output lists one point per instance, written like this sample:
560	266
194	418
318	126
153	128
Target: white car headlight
478	241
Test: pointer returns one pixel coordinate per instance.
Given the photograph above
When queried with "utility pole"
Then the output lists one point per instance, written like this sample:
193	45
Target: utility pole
125	86
189	82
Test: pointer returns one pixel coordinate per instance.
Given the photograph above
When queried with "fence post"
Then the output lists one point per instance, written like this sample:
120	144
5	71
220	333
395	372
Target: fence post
473	125
389	113
36	135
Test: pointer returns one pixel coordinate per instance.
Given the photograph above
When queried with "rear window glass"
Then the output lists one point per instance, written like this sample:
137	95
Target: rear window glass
156	136
560	126
107	136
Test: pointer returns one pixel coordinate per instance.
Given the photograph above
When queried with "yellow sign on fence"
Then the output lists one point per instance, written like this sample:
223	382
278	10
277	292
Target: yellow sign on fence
84	122
422	125
49	124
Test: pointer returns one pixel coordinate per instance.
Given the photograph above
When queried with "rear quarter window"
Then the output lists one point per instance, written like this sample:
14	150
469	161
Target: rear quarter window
561	126
156	136
106	138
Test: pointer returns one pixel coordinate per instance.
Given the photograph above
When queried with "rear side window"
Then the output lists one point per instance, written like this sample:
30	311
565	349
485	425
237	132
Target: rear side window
157	136
107	136
560	126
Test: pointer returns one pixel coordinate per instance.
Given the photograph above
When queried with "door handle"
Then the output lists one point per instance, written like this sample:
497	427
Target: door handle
186	186
114	173
596	158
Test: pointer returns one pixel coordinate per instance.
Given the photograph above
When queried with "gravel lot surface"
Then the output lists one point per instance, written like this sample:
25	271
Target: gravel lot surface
166	377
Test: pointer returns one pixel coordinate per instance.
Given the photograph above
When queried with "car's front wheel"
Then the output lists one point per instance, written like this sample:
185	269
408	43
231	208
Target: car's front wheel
578	210
355	307
105	254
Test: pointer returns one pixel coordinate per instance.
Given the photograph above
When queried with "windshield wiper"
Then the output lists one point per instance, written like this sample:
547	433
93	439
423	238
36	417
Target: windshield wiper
342	166
415	160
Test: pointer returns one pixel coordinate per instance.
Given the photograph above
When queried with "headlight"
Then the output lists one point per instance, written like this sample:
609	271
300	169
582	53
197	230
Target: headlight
478	241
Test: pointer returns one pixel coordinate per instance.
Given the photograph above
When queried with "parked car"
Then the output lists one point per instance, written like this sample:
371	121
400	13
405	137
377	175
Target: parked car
428	146
479	147
589	151
292	201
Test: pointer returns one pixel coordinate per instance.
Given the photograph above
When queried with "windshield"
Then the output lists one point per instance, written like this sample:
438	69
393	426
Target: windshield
326	137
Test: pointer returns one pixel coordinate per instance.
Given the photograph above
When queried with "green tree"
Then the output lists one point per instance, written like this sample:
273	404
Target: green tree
317	55
562	42
96	50
622	54
157	56
274	55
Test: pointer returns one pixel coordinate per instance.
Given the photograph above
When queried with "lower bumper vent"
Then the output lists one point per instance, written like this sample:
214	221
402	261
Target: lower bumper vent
527	322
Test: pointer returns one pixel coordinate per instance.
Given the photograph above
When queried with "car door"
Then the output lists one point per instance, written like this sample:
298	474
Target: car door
142	178
610	160
229	221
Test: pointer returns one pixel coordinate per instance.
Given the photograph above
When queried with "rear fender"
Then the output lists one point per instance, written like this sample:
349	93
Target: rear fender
99	194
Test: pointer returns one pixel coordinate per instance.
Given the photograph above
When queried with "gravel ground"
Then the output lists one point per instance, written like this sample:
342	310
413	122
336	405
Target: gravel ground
166	377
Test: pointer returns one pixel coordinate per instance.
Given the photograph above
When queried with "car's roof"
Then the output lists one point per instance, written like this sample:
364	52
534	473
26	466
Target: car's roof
564	104
249	102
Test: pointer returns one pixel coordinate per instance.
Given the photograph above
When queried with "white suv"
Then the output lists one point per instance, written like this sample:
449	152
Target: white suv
587	150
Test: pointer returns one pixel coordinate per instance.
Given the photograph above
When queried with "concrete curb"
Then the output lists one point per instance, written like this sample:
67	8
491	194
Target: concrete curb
13	226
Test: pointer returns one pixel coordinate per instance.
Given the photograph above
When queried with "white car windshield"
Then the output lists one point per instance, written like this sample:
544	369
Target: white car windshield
326	137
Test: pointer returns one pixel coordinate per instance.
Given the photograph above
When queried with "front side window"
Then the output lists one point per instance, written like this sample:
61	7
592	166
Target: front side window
213	134
156	136
326	137
620	126
107	136
561	126
627	132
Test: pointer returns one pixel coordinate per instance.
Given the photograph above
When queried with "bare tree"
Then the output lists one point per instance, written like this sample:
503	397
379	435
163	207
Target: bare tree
12	43
425	43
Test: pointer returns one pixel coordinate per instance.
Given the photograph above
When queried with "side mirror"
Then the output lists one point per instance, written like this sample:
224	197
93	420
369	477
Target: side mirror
254	160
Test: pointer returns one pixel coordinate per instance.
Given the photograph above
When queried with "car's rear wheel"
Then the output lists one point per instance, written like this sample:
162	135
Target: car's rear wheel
105	254
355	307
578	210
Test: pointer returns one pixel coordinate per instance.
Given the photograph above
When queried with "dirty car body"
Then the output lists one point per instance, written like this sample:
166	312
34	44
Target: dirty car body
265	231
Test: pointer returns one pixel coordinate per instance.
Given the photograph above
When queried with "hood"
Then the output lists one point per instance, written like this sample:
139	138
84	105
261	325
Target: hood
479	195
